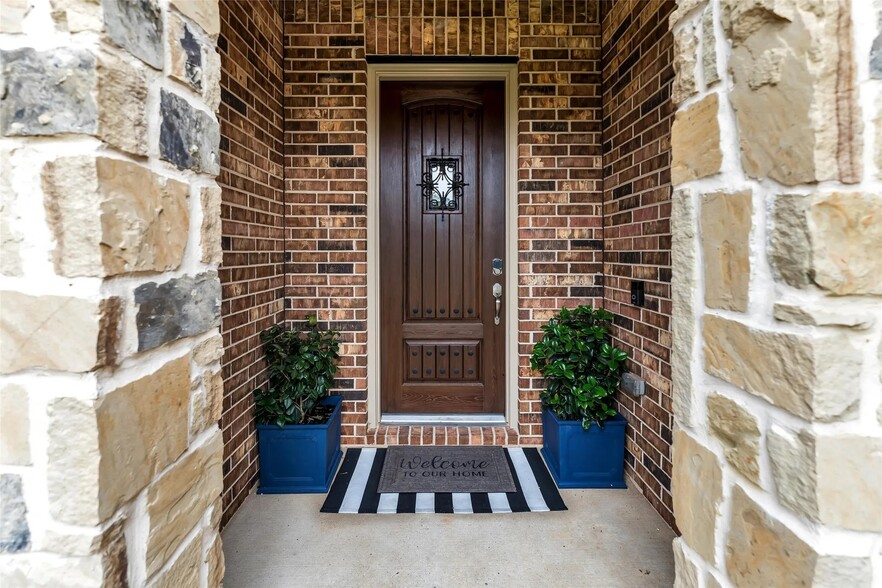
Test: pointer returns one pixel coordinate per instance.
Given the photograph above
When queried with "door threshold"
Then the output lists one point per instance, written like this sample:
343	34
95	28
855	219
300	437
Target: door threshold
467	420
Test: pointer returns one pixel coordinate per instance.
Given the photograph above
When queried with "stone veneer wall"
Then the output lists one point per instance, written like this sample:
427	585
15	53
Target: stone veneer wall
252	220
110	393
777	227
559	190
637	116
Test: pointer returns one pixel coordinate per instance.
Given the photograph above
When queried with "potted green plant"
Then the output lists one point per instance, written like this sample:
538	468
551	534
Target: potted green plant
298	423
583	435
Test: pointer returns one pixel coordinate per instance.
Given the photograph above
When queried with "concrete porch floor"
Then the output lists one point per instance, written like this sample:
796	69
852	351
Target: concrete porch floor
608	538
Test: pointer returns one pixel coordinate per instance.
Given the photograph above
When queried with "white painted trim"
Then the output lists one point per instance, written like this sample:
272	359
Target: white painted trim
458	420
508	72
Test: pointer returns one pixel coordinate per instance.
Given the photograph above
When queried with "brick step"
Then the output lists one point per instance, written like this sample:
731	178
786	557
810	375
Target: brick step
443	435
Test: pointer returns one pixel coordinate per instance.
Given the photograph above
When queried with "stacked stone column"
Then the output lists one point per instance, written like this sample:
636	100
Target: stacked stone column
777	284
110	452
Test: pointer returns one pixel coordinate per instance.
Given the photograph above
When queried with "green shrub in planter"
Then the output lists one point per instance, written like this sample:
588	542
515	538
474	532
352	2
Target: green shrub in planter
300	370
582	369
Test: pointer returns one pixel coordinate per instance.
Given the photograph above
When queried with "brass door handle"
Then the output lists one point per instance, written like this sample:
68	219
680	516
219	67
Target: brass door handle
497	294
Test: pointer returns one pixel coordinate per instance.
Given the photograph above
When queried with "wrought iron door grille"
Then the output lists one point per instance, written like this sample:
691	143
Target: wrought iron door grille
442	185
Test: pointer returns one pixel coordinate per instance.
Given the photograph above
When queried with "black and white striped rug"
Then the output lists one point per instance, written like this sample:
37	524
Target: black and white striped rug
355	489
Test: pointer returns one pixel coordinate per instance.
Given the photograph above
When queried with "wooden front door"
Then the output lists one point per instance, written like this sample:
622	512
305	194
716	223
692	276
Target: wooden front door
442	349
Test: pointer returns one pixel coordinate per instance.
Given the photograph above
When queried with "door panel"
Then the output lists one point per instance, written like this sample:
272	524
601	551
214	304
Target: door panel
441	351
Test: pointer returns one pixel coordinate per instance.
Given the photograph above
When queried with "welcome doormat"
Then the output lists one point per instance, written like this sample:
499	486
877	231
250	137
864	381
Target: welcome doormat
420	468
356	488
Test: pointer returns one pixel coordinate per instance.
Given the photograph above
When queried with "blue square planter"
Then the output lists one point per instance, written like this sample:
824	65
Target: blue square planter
585	459
300	459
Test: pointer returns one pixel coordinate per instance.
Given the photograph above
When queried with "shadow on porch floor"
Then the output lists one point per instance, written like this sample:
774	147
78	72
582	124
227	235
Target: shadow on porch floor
608	538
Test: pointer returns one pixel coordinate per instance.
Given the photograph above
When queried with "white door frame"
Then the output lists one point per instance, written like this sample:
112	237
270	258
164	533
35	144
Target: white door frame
508	72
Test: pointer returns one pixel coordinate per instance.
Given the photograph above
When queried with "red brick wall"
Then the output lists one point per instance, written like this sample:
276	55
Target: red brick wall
559	200
326	184
252	216
593	188
560	232
637	111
